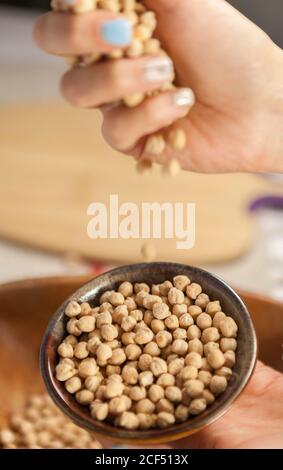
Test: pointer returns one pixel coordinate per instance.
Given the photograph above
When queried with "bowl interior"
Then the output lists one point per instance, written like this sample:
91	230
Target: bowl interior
152	273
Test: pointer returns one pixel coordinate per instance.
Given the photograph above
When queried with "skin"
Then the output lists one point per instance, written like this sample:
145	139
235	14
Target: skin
255	421
233	67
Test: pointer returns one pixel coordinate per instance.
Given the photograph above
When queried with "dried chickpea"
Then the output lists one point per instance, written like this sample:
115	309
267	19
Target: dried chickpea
103	352
174	394
194	311
87	367
144	361
109	332
99	411
193	359
218	317
228	327
175	366
148	317
81	350
175	296
157	325
163	339
197	406
137	393
208	396
72	327
202	300
144	336
180	333
182	413
146	379
195	345
218	384
129	420
158	366
204	321
146	421
180	346
216	358
128	338
126	289
120	404
165	405
92	383
228	344
130	304
73	385
155	393
65	350
193	332
179	309
194	388
116	298
205	377
181	282
133	352
130	375
145	406
152	349
186	320
165	287
137	314
114	389
188	373
119	313
224	372
104	318
193	290
128	323
210	346
72	340
210	334
205	366
213	307
73	309
160	311
165	419
172	322
118	356
230	358
150	300
141	286
84	397
166	380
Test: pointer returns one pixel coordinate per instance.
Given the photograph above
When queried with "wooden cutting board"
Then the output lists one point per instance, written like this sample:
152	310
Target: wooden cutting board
54	163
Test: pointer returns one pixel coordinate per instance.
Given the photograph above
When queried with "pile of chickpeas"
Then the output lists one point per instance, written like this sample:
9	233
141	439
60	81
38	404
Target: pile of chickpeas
42	426
143	43
147	356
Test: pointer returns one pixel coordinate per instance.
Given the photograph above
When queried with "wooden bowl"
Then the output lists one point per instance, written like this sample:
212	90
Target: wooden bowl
152	273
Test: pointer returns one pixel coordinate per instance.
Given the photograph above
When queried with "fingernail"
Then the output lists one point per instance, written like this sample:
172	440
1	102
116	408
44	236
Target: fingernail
184	97
117	32
159	69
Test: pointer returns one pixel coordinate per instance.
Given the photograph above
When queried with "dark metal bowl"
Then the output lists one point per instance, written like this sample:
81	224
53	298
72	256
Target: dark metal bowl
152	273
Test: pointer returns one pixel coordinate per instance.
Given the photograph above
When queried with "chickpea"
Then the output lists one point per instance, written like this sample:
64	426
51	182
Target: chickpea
195	345
204	321
157	325
194	388
174	394
73	309
155	393
116	298
141	287
114	389
104	318
150	300
193	359
130	304
194	311
181	282
228	327
213	307
165	287
144	336
166	380
72	327
72	340
193	290
129	420
103	352
197	406
205	377
158	366
182	413
224	372
175	296
128	338
84	397
145	421
144	362
126	289
188	373
202	300
99	411
165	419
145	406
73	385
137	393
208	396
137	315
118	356
230	358
87	367
172	322
160	311
152	349
210	334
179	309
218	317
65	350
120	404
119	313
180	333
228	344
92	382
210	346
216	358
109	332
130	375
81	350
163	339
165	405
218	384
148	317
146	378
128	323
180	346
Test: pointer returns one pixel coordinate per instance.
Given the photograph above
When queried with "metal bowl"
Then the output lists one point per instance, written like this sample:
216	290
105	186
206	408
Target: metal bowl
152	273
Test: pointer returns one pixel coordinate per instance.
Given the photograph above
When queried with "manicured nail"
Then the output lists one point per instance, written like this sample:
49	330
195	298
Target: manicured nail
159	69
184	97
117	32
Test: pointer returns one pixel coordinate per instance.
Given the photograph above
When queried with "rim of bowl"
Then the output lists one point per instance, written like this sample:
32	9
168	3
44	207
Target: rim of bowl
139	273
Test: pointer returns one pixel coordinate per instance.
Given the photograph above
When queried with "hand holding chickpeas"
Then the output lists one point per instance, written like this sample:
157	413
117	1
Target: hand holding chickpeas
233	68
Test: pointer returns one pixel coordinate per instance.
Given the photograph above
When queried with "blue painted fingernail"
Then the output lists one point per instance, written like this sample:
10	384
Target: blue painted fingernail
117	32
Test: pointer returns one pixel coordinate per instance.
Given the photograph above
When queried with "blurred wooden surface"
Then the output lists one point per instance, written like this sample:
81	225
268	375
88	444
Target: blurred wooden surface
26	307
54	163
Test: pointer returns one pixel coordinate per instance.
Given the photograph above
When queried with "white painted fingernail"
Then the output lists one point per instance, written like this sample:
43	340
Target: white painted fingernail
159	69
184	97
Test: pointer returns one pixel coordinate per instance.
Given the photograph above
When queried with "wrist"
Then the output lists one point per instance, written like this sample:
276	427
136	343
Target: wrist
274	145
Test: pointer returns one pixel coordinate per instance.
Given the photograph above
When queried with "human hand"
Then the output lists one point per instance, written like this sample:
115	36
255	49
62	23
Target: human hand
255	421
233	67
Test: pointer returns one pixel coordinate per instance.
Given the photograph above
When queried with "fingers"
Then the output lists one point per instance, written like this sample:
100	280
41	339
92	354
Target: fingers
67	34
111	81
123	127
